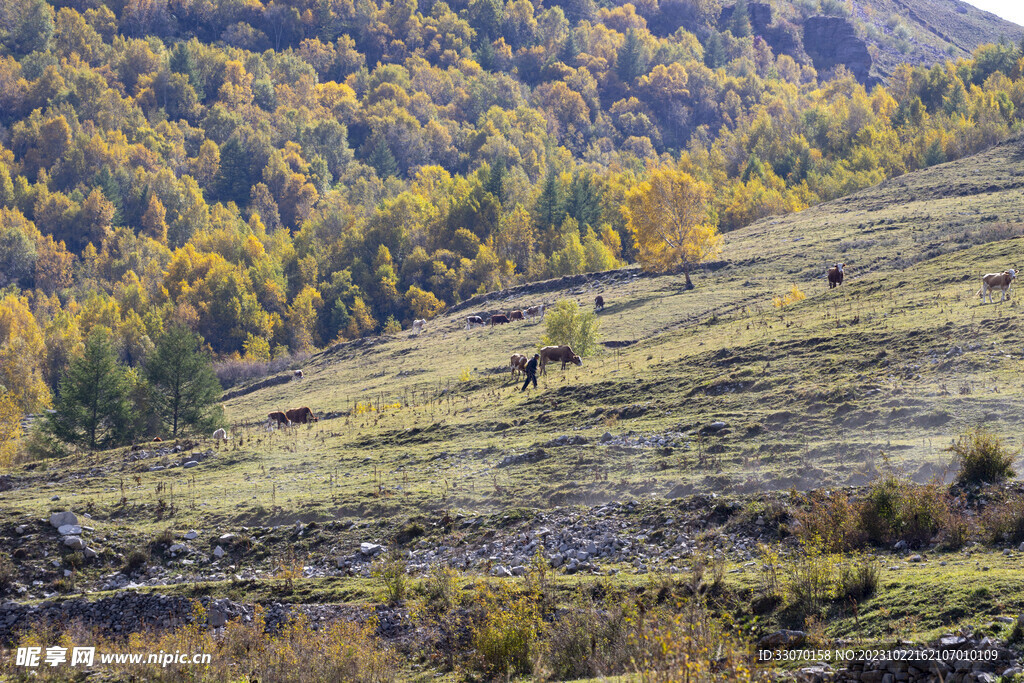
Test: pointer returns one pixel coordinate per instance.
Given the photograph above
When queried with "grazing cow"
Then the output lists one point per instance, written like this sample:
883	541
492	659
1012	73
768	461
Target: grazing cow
554	354
277	417
599	303
835	275
518	364
499	320
220	435
515	315
157	438
1000	281
474	320
534	311
301	415
297	374
417	326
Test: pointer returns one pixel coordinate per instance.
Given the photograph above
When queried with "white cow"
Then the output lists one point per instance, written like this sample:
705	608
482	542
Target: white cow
1000	281
220	435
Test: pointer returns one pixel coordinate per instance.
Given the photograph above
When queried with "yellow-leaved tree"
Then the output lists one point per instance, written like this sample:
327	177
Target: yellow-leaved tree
672	221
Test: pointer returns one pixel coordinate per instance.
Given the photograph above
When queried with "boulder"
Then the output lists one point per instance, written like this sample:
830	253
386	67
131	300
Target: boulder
69	530
370	549
783	638
74	542
218	552
59	519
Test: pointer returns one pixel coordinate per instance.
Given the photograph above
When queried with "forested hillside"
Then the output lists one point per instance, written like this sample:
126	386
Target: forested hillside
278	176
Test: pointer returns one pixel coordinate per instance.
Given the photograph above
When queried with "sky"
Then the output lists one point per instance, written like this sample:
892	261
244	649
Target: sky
1012	10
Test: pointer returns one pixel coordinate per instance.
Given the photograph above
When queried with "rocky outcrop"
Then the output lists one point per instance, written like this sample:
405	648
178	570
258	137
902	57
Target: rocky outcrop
760	14
831	41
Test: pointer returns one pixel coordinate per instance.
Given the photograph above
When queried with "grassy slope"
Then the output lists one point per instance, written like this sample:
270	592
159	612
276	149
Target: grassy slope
816	394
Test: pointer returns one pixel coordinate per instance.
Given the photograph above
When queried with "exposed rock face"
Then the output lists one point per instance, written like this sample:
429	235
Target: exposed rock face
760	14
831	41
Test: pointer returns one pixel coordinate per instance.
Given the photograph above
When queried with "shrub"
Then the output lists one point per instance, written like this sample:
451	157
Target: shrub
833	520
897	509
858	579
391	570
792	297
982	458
569	324
812	578
505	635
136	560
1004	522
590	640
440	590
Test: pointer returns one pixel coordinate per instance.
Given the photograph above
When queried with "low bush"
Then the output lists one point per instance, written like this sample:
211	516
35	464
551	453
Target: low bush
1003	522
858	579
505	636
136	560
833	521
982	458
392	571
896	509
812	579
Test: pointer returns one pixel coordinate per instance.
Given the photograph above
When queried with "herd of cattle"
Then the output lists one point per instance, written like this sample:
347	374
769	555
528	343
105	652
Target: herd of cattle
533	312
564	354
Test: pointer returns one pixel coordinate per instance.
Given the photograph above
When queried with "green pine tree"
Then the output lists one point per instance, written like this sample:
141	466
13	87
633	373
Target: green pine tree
495	183
739	24
548	210
382	160
92	407
182	378
182	61
632	58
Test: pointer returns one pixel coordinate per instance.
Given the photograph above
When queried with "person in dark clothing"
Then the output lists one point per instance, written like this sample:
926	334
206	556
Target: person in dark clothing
531	372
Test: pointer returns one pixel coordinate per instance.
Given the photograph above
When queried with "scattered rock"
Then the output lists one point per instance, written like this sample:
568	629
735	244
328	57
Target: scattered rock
74	542
59	519
370	549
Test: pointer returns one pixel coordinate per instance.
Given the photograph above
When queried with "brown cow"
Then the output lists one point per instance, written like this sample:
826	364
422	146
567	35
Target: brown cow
550	354
498	320
518	364
835	275
278	417
301	415
515	315
599	303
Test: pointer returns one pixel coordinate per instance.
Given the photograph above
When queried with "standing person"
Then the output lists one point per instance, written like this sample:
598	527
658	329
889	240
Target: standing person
531	372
